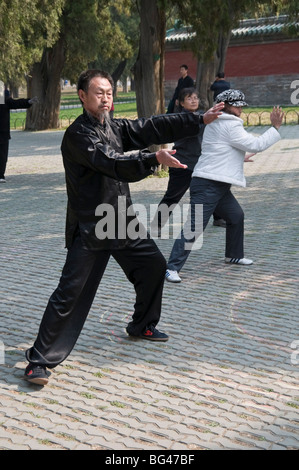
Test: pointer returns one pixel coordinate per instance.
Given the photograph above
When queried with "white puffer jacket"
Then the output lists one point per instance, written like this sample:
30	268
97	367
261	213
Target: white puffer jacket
225	143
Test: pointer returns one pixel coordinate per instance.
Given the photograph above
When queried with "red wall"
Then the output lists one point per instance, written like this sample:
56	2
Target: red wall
249	60
173	61
263	59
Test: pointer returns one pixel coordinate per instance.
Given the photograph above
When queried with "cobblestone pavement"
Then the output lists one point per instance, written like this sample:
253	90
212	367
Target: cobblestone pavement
228	377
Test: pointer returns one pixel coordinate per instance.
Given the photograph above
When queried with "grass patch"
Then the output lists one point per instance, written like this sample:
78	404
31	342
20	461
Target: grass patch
67	116
126	108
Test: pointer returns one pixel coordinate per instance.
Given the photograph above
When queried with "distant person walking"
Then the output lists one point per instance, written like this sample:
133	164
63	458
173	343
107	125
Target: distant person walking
184	82
9	103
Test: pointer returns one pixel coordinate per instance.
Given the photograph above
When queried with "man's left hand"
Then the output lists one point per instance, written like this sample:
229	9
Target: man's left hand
165	157
213	113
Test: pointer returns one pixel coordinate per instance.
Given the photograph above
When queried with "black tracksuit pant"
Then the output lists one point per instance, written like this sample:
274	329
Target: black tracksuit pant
69	305
3	157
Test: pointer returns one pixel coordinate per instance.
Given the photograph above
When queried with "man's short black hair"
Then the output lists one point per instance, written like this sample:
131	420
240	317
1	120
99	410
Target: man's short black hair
185	66
86	77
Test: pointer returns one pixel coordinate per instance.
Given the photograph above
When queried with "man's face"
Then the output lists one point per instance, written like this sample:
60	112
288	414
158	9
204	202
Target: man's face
98	99
183	71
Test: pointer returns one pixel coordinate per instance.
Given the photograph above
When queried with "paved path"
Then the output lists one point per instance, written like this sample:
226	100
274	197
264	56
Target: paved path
228	377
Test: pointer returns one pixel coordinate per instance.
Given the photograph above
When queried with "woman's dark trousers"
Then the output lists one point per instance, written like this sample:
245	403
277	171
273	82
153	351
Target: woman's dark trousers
213	196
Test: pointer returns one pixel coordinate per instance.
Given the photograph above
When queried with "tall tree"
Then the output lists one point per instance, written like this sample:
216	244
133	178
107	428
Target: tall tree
149	66
125	21
26	27
213	21
85	28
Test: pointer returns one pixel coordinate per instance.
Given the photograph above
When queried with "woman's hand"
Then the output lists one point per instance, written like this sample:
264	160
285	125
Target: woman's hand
276	117
248	157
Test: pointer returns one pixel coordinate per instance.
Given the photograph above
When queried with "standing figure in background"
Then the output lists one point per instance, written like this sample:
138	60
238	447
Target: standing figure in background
184	82
9	103
219	85
188	151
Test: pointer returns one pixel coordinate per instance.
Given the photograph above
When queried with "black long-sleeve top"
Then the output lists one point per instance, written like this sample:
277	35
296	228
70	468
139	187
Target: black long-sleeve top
5	108
100	161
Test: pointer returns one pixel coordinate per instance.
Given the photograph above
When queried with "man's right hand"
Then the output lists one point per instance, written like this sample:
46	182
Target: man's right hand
165	157
33	100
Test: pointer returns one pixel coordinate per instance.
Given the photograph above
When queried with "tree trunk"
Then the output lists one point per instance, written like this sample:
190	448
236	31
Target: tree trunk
207	70
118	73
45	84
149	67
205	76
223	43
13	89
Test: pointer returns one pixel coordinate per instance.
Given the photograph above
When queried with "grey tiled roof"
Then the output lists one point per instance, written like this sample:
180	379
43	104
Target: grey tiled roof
262	26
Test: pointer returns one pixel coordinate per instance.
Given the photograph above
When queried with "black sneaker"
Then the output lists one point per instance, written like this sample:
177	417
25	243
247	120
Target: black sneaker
37	374
154	335
150	333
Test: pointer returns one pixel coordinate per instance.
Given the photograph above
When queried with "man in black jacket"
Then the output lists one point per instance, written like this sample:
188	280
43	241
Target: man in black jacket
5	136
219	85
98	167
184	82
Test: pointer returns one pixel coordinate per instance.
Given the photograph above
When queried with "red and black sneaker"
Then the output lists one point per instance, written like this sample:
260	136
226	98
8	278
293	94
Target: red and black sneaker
154	335
37	374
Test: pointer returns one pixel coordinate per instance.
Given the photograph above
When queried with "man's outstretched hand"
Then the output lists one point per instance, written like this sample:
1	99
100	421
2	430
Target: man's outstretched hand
165	157
213	113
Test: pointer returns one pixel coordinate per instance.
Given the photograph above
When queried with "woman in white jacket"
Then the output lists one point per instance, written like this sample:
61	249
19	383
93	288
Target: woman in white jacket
225	143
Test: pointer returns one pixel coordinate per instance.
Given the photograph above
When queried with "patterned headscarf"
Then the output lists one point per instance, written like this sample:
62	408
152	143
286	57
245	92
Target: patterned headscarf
232	97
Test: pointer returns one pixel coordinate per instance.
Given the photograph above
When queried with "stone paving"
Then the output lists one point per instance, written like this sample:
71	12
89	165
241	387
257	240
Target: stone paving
228	377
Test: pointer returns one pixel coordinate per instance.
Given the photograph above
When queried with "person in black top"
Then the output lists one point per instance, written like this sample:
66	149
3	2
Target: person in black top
9	103
188	151
100	159
184	82
219	85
